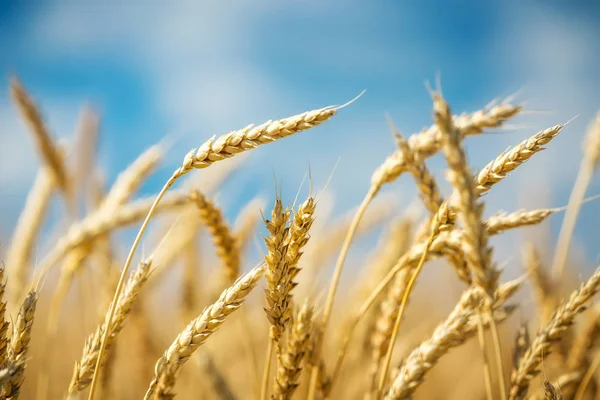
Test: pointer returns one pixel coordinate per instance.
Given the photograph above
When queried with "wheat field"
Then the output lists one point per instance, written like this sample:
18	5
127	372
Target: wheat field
192	315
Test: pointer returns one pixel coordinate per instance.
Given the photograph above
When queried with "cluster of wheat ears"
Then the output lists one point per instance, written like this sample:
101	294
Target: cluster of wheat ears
121	338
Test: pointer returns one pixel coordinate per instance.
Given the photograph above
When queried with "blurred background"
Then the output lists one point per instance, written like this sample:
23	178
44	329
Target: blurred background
189	70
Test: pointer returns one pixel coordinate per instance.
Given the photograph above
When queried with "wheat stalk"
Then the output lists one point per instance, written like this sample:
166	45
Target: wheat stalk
197	332
551	332
223	238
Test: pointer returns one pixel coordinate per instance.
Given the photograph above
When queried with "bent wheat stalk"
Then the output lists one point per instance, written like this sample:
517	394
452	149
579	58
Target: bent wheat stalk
226	146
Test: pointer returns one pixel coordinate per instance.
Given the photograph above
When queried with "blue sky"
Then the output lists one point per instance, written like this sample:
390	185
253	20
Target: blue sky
192	69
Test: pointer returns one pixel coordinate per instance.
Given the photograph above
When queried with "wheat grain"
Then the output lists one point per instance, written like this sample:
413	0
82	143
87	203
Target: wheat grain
551	332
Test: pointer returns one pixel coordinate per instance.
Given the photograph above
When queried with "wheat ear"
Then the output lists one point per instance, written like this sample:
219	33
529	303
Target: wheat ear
477	252
503	221
19	346
50	153
454	331
589	163
289	366
502	165
100	222
426	183
197	332
225	242
551	332
25	233
210	152
279	282
509	160
129	181
84	369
